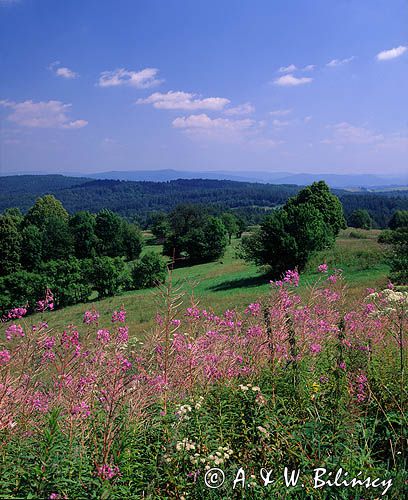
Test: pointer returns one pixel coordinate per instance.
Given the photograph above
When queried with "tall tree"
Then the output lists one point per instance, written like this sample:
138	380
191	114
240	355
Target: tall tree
10	245
109	230
44	208
82	226
360	219
31	247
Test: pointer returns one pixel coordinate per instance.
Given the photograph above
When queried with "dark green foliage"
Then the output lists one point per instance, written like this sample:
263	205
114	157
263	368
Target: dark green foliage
360	219
291	235
82	226
21	288
10	245
159	225
45	208
108	276
206	242
67	280
230	222
319	196
109	231
149	271
399	219
398	258
31	247
132	241
287	239
57	240
195	234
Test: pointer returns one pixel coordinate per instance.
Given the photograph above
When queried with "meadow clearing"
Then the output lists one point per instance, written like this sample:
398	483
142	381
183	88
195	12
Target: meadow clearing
231	282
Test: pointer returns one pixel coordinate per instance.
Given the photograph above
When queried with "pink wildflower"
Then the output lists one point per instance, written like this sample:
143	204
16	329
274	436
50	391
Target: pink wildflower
119	316
17	313
254	309
315	348
81	410
103	336
107	472
323	268
91	317
123	334
14	331
4	357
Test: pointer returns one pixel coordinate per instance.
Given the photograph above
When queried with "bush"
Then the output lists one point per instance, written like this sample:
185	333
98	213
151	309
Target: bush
68	281
107	275
21	288
150	270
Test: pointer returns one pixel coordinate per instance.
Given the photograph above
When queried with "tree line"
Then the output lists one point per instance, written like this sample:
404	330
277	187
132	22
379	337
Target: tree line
138	200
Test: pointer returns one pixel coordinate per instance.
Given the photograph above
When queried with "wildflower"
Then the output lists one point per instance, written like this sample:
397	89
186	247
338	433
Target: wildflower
123	334
322	268
253	309
81	410
14	331
91	317
119	316
176	322
17	313
342	366
107	472
5	357
256	389
315	348
47	303
103	336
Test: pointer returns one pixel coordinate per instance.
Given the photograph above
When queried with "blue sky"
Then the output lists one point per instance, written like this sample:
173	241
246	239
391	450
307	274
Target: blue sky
283	85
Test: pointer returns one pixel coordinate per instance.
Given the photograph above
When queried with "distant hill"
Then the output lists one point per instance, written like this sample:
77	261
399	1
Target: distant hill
342	181
138	199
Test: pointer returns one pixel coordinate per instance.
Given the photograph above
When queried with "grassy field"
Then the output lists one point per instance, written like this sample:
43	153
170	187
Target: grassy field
232	283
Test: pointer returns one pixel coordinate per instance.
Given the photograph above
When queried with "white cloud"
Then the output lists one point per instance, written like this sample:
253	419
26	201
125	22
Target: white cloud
307	119
280	123
42	114
183	100
222	129
345	133
339	62
241	109
280	112
287	69
386	55
291	81
292	68
143	79
63	72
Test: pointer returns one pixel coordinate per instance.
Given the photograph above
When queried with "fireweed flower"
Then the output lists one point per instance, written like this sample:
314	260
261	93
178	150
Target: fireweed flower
81	410
17	313
123	334
5	357
14	331
91	317
254	309
47	303
107	472
103	336
119	316
323	268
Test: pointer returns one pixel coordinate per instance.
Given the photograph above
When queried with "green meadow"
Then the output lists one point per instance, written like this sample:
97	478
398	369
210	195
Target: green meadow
232	283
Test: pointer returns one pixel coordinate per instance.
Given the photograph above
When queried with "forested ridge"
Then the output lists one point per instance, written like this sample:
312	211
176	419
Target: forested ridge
138	199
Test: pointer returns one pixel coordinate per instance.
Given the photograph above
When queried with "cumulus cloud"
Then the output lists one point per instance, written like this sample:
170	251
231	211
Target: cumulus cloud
339	62
42	114
345	133
291	81
241	109
184	100
280	112
386	55
143	79
62	71
222	129
292	68
287	69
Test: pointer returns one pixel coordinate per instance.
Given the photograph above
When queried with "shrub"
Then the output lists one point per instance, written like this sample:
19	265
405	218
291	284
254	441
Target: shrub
108	276
150	270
